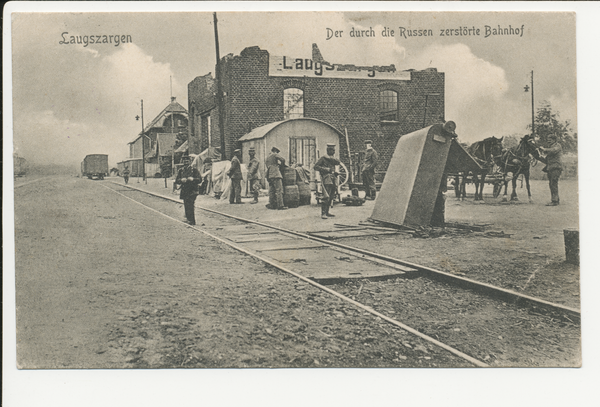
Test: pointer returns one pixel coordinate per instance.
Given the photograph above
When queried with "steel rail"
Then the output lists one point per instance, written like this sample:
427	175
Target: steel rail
357	304
431	273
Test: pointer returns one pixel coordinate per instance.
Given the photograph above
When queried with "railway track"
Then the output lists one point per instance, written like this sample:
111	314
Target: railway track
305	257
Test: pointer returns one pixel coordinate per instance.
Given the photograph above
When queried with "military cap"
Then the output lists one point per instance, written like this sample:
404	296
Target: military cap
251	150
368	142
330	145
237	150
275	149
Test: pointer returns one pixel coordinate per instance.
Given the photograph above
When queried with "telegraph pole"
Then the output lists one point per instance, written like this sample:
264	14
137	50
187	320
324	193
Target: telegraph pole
220	93
532	110
532	105
143	148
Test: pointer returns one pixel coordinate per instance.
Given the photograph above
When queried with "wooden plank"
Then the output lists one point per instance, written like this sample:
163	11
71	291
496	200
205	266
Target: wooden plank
335	264
258	232
342	225
337	230
475	228
378	227
269	238
292	246
239	228
344	234
389	225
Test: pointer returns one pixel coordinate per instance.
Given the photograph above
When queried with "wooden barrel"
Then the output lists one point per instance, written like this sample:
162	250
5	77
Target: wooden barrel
304	193
291	197
289	176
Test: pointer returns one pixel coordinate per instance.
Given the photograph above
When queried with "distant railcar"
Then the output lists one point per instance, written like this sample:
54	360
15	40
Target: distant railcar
95	166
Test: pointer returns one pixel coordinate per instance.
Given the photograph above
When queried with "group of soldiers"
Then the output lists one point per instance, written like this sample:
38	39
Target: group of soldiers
188	178
326	166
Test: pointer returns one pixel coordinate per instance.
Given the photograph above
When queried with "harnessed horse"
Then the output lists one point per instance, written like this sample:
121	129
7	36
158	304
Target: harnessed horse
517	160
485	152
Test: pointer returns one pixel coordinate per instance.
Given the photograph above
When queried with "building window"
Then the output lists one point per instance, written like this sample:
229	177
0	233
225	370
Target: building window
303	151
293	103
205	129
388	105
208	130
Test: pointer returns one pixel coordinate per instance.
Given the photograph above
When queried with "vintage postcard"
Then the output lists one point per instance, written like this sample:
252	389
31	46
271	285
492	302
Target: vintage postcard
316	188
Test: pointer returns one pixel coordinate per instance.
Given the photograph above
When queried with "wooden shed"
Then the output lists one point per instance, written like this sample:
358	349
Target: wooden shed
300	141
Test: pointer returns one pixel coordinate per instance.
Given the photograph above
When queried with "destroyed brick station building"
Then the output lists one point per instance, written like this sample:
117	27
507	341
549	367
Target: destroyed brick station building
377	103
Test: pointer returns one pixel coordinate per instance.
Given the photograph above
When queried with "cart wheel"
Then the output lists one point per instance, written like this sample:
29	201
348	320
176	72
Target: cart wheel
343	171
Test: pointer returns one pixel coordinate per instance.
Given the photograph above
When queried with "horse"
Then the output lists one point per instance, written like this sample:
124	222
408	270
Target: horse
485	152
517	160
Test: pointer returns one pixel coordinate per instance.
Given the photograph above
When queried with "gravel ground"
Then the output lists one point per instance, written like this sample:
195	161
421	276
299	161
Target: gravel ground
105	283
531	261
492	331
141	290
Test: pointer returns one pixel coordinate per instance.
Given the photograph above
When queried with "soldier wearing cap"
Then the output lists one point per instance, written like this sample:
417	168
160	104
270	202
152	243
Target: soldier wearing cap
126	173
368	170
235	173
189	178
554	167
273	161
253	175
326	167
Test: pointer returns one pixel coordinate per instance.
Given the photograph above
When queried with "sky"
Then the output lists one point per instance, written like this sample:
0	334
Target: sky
71	100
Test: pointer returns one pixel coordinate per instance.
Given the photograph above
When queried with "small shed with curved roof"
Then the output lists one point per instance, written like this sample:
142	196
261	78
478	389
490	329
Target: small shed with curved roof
300	141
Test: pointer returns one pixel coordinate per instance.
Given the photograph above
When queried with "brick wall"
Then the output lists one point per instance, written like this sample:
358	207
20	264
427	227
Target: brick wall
253	99
201	102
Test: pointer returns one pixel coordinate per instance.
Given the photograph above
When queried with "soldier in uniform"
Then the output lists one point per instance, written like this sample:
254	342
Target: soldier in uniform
273	161
189	178
235	173
126	173
553	168
253	175
326	167
368	171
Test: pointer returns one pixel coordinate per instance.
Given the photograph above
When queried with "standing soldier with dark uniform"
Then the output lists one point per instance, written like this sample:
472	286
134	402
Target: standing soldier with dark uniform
553	168
273	161
126	175
189	178
368	171
326	167
235	173
253	175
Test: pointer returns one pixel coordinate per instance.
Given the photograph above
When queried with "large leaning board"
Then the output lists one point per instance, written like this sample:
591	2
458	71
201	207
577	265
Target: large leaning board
411	185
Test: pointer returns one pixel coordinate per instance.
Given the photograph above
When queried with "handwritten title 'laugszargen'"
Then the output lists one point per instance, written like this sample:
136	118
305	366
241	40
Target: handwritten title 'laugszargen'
407	33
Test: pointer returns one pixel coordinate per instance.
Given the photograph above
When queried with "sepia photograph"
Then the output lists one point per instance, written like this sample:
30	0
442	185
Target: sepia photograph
235	191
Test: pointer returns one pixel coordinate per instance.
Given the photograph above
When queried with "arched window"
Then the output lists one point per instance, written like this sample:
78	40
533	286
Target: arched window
388	105
293	103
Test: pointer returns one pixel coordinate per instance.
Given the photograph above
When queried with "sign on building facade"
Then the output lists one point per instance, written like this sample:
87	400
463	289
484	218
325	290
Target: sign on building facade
305	67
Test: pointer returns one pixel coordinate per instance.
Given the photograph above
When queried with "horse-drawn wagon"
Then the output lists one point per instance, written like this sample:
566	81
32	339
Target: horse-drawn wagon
497	165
